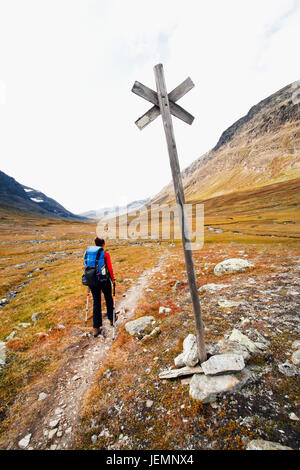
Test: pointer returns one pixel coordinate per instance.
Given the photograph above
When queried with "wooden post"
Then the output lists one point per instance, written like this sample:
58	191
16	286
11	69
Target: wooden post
164	106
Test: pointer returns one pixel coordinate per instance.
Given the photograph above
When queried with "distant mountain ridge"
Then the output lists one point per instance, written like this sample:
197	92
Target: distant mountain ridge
20	198
111	211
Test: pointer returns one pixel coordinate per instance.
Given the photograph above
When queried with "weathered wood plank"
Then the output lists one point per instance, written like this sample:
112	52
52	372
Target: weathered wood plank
150	95
144	92
180	200
148	117
181	113
181	90
183	372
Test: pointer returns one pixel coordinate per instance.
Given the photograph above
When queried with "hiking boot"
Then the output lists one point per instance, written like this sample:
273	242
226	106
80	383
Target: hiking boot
98	332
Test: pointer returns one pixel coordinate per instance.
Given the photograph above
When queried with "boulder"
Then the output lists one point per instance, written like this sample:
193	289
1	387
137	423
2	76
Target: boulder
139	325
2	354
190	355
225	346
266	445
296	344
236	335
222	364
206	388
233	265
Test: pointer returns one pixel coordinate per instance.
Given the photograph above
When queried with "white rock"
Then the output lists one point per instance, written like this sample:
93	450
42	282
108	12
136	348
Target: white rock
25	325
24	442
233	265
164	310
296	358
228	347
222	364
225	303
190	355
42	396
290	370
94	438
54	423
296	344
266	445
34	317
2	354
236	335
52	433
293	417
11	336
182	372
149	403
136	327
212	288
206	388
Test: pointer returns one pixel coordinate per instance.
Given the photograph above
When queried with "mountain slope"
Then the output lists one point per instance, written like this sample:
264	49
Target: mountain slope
19	198
261	148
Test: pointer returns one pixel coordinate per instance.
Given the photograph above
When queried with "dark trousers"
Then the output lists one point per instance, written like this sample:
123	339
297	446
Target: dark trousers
105	287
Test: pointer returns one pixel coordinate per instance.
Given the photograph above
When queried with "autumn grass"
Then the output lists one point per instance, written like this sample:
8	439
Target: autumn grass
55	293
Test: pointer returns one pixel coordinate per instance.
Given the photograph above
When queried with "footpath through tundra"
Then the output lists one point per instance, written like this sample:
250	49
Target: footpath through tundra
58	417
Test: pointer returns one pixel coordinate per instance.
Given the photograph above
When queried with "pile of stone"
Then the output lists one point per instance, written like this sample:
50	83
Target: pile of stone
224	371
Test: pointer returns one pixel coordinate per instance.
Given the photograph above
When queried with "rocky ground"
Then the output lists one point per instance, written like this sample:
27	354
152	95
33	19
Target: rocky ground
252	329
147	390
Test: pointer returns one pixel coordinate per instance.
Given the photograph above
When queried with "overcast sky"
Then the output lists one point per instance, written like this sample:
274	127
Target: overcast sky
66	72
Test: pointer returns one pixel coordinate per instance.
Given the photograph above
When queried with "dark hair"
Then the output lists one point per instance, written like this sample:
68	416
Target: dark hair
99	241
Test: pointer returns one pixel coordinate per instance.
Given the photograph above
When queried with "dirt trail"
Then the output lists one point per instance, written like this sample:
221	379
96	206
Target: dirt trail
54	425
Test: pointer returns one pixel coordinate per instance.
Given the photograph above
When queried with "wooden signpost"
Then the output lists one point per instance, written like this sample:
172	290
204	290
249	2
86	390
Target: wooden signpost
165	104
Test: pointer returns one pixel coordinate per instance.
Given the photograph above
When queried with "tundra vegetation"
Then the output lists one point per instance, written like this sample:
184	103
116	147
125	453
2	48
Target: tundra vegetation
128	406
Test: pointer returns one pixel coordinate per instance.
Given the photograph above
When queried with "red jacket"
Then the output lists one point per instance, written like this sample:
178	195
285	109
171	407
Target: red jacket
109	266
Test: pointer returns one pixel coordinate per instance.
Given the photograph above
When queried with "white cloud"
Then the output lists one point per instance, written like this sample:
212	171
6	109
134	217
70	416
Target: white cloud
68	124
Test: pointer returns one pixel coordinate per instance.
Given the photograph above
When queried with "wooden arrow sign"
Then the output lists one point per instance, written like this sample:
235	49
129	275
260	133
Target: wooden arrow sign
151	95
165	104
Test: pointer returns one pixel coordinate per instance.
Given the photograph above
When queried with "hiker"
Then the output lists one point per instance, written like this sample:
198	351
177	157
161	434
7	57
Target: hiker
102	281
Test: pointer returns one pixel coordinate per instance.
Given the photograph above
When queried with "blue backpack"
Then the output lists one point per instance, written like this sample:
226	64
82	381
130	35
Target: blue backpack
95	268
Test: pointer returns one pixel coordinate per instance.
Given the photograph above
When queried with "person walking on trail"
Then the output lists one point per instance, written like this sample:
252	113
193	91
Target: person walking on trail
99	277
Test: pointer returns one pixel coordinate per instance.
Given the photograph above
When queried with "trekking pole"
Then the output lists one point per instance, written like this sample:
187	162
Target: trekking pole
114	311
87	306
